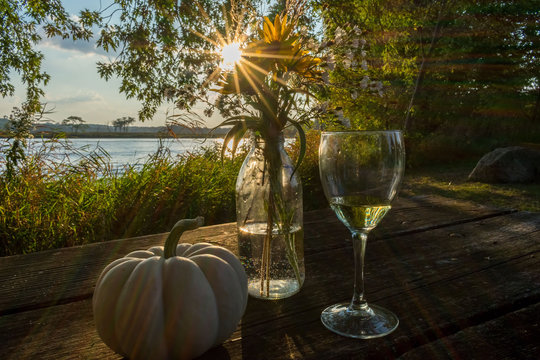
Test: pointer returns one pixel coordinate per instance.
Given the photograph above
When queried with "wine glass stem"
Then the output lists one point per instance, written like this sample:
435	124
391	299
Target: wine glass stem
359	245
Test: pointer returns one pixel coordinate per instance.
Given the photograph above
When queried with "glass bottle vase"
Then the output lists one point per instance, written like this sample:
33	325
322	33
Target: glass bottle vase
269	192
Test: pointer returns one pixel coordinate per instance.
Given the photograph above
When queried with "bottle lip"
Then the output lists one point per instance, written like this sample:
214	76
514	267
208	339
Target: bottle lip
261	140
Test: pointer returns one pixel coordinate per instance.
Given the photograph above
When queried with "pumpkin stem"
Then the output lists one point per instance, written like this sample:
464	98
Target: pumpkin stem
177	231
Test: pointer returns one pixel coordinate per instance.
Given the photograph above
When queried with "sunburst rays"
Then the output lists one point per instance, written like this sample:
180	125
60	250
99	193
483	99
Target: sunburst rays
276	52
231	54
260	65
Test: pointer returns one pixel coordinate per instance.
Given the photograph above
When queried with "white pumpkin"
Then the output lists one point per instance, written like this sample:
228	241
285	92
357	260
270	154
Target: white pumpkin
176	302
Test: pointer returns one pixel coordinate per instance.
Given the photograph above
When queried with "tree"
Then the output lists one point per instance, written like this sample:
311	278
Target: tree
76	122
23	25
18	128
486	62
482	57
123	123
450	68
378	89
162	50
167	50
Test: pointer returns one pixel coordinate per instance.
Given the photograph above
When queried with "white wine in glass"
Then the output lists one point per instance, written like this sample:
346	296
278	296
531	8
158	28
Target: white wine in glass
360	173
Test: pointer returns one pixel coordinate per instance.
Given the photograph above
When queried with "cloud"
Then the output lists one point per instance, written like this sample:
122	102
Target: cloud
75	17
81	97
84	47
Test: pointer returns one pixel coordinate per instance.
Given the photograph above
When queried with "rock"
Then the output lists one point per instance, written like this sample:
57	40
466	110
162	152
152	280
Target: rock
514	164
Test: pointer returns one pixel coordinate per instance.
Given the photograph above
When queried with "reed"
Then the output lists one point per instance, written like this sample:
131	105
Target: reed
47	205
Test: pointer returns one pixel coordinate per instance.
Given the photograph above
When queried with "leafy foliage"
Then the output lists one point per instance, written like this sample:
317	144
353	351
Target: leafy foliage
447	67
21	121
56	204
165	50
461	77
22	27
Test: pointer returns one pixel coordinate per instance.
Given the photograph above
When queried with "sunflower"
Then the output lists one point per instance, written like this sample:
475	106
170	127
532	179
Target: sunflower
279	50
276	53
263	77
270	78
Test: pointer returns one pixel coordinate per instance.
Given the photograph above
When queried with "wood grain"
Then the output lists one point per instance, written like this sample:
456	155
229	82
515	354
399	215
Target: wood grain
513	335
461	275
61	276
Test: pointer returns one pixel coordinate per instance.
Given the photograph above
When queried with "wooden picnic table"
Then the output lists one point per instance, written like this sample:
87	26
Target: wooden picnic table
464	280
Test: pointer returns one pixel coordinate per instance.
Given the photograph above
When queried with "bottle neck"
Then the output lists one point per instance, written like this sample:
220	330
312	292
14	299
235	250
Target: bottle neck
258	142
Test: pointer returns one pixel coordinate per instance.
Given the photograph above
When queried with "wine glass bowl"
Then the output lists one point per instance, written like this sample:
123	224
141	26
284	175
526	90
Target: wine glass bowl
360	173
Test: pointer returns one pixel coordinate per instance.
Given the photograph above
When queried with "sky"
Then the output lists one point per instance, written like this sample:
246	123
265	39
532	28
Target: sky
75	88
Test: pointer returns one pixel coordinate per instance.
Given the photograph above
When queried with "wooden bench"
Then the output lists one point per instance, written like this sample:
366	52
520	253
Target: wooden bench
463	279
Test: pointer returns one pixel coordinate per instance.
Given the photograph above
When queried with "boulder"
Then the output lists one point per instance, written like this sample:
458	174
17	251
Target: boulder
513	164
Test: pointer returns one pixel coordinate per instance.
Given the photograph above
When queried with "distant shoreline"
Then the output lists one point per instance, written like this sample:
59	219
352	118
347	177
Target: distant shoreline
120	135
52	130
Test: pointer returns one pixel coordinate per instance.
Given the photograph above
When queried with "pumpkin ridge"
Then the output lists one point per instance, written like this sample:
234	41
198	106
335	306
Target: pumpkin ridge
188	333
229	257
153	307
101	297
164	313
137	316
224	283
194	248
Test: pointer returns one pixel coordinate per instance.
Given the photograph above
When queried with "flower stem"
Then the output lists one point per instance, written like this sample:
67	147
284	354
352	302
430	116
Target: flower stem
269	230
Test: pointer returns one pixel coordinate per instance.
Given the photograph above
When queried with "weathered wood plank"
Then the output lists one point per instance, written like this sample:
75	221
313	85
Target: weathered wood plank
514	335
438	282
67	331
462	295
416	260
60	276
59	332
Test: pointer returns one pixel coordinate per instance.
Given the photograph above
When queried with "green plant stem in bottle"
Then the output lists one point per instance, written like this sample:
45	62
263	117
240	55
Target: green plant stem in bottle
269	220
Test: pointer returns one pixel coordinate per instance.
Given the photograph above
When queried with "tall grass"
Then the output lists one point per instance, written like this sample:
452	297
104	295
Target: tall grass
52	204
56	204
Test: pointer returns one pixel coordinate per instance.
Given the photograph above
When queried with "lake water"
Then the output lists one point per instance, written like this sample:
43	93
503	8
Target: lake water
120	151
131	151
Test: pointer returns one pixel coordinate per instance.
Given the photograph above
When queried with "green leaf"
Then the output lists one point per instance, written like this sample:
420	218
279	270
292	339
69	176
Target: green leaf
237	137
235	134
251	121
302	136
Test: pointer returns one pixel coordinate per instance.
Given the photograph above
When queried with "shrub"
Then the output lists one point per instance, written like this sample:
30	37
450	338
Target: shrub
309	171
52	204
56	204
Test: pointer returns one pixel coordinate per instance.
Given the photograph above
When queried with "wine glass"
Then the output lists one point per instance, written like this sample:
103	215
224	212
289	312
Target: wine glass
360	173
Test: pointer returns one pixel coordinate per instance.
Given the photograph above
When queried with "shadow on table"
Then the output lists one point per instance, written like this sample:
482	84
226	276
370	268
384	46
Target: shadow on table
288	328
218	352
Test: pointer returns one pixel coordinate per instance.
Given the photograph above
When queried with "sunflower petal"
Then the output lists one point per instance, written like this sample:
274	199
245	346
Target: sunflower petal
284	25
268	30
277	28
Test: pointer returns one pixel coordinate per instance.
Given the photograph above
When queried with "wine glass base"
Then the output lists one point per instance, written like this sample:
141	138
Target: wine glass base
370	322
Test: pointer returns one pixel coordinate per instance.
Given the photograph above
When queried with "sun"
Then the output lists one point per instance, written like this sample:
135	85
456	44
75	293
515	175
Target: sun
231	54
